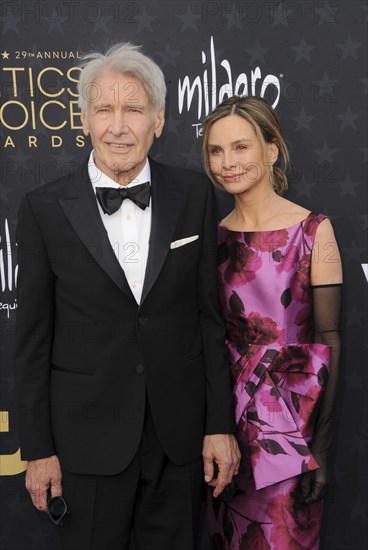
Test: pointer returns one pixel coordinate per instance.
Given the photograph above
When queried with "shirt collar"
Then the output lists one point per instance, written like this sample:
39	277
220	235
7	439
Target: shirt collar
99	179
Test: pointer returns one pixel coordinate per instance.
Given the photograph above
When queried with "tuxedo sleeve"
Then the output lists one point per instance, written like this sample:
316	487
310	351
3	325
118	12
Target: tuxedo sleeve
220	408
34	334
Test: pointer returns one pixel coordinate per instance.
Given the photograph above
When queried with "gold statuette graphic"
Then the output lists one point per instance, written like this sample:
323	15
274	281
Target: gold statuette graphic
10	465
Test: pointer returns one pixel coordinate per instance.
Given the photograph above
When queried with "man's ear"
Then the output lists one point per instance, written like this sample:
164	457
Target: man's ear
85	124
160	122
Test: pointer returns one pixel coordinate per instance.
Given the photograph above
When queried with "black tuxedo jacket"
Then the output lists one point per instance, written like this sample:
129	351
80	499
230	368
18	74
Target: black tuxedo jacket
87	354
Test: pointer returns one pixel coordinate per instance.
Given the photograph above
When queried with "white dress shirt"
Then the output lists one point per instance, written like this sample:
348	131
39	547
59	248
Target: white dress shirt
128	228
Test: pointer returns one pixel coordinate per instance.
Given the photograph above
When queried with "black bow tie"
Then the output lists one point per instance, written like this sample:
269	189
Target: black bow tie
111	198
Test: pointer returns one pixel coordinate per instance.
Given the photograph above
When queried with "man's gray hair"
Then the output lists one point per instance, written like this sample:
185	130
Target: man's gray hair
122	58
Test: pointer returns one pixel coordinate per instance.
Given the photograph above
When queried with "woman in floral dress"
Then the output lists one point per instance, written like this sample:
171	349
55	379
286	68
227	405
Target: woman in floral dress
280	281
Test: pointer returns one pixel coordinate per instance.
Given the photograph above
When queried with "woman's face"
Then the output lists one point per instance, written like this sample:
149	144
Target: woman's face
237	158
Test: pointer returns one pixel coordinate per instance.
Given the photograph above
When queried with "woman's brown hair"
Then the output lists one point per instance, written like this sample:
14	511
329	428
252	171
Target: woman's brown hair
259	113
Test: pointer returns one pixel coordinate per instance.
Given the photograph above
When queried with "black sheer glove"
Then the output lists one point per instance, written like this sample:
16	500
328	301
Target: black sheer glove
326	314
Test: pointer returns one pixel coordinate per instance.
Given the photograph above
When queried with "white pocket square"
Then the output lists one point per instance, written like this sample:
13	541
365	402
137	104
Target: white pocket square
182	242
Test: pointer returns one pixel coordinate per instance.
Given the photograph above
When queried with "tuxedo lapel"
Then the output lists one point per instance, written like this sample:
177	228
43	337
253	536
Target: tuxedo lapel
166	202
80	207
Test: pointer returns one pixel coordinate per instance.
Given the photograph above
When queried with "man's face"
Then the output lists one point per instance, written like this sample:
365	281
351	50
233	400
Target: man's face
122	125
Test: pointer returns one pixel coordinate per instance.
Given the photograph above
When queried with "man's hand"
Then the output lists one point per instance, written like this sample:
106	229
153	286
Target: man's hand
42	474
224	451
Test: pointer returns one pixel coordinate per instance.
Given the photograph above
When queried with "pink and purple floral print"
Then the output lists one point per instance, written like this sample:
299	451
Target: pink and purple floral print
279	376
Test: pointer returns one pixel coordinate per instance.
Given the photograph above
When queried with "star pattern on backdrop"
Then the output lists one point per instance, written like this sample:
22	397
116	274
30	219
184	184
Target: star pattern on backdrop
326	153
11	23
348	118
229	14
353	252
257	53
303	120
20	158
303	51
354	380
103	24
191	156
348	186
168	55
5	55
145	21
303	188
327	86
349	48
278	16
189	20
233	20
354	317
56	23
172	125
63	158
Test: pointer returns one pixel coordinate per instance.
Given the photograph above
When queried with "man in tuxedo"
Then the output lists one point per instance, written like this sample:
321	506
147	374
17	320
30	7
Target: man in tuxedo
121	368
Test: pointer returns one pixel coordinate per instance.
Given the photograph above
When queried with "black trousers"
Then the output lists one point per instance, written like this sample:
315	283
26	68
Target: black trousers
152	505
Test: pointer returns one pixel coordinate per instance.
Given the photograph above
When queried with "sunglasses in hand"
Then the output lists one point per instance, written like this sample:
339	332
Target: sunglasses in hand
57	509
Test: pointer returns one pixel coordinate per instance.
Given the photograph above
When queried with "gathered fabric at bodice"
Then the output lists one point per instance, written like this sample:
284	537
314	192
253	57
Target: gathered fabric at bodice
264	281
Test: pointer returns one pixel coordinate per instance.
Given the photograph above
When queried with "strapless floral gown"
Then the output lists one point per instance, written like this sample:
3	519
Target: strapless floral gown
278	379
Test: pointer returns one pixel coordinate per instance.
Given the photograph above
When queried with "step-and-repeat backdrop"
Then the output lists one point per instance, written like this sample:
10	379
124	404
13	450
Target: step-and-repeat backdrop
308	57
